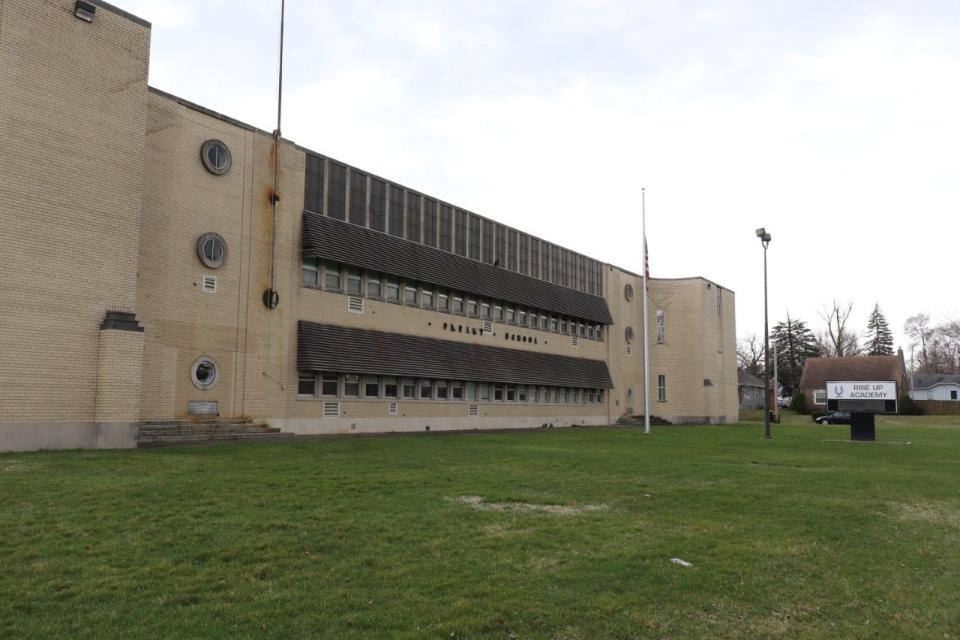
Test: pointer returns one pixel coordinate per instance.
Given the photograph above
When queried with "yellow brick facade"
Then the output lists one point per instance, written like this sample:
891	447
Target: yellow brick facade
104	199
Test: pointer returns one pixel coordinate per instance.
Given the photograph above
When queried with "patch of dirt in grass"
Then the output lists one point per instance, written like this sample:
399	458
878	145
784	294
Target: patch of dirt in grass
500	530
13	465
560	509
930	512
541	564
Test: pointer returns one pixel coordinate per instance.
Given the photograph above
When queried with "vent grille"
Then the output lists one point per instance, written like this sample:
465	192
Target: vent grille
628	351
473	410
354	304
488	326
331	409
209	284
393	408
203	408
575	341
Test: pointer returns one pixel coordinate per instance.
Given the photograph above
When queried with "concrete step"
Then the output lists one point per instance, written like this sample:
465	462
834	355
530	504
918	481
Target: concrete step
197	420
199	429
173	432
171	440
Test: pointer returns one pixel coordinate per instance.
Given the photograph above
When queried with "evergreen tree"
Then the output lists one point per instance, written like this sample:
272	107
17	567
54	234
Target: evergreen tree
879	336
795	343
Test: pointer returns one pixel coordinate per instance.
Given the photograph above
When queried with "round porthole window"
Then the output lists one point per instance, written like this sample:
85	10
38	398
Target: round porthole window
216	157
628	292
204	372
628	334
212	250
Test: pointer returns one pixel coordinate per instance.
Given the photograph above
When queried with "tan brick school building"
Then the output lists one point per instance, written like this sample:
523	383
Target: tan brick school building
140	247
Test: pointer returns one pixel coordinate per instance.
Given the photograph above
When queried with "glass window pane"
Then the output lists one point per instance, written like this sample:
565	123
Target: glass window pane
330	385
393	291
354	283
390	388
351	386
446	227
306	384
337	200
371	387
396	211
358	198
426	389
429	222
313	184
409	389
413	217
373	286
474	238
332	278
378	204
310	272
488	241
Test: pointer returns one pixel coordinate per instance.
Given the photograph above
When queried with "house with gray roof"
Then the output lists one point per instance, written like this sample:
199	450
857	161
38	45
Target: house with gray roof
749	390
936	386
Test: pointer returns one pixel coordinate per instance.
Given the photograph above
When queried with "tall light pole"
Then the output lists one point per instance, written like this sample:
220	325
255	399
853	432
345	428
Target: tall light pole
765	241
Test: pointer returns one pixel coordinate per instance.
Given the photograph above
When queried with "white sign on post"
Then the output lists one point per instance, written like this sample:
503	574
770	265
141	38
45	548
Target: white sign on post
861	390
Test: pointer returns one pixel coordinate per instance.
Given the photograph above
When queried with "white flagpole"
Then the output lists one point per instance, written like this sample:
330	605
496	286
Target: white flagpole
646	342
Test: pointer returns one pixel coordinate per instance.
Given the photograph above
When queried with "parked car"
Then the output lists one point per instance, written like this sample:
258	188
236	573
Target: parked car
837	417
783	402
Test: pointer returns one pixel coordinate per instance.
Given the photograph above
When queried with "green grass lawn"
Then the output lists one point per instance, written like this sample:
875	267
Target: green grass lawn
434	536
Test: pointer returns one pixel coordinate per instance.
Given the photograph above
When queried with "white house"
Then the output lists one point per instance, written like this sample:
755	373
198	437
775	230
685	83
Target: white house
936	386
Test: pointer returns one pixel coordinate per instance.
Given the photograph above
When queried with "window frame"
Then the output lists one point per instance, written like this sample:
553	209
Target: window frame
310	265
372	278
393	283
332	269
333	378
306	375
365	382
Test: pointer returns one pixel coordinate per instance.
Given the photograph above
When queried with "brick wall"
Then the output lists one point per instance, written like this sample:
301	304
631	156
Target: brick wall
72	113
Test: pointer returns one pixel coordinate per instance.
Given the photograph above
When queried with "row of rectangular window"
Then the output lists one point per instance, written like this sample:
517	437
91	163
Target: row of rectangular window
334	385
389	208
333	276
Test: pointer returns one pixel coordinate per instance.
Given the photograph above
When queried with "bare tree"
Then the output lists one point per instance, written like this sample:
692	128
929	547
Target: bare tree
750	355
840	339
918	328
950	333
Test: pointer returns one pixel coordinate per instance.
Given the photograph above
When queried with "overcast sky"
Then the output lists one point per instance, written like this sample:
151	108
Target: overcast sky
836	125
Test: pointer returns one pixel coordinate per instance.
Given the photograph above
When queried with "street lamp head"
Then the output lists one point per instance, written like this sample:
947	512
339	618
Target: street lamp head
764	236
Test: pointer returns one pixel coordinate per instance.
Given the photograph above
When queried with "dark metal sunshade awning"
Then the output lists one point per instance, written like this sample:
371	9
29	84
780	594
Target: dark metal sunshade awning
322	347
330	239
